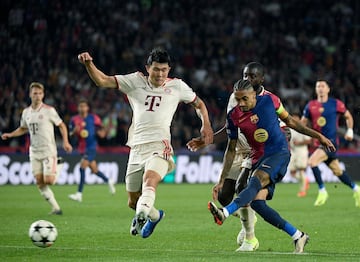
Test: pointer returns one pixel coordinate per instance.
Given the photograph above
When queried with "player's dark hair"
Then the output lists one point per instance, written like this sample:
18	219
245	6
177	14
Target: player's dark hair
243	85
158	55
258	66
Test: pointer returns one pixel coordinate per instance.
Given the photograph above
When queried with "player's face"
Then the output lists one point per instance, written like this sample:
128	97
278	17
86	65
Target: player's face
158	72
36	95
246	99
253	76
322	89
83	108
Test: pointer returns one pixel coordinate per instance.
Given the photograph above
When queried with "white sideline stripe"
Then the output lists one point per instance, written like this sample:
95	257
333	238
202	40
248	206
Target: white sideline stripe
188	251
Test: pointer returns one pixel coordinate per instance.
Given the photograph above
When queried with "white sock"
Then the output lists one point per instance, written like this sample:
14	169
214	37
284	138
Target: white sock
226	212
322	189
146	201
154	214
297	235
48	194
356	188
247	218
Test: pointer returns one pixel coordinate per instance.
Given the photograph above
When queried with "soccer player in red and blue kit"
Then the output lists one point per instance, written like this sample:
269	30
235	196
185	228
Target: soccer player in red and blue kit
86	126
257	118
323	114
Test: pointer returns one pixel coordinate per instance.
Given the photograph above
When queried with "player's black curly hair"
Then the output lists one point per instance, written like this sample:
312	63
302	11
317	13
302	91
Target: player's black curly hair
256	65
158	55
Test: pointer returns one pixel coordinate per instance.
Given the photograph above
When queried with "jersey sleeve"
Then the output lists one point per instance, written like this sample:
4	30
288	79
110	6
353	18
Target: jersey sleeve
340	107
22	120
127	83
187	95
54	117
97	121
306	111
231	129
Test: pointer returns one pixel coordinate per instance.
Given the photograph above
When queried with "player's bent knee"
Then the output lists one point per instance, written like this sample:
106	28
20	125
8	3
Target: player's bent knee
49	180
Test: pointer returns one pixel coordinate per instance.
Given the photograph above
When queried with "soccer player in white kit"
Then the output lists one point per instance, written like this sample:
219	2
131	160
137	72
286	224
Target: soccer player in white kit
39	120
299	158
153	99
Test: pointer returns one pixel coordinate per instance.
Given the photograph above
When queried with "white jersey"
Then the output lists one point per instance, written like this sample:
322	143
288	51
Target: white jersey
40	124
153	107
298	137
242	146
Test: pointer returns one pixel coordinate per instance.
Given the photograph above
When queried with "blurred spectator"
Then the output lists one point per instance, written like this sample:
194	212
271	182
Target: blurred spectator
209	40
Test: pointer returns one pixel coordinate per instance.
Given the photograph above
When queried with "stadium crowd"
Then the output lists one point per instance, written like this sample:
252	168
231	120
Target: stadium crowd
210	41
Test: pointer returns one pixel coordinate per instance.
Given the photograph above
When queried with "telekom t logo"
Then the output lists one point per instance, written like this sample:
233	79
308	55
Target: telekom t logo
152	101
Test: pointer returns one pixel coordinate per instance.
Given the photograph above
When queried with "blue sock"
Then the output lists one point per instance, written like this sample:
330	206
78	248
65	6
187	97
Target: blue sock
318	178
245	196
346	180
82	180
101	174
272	217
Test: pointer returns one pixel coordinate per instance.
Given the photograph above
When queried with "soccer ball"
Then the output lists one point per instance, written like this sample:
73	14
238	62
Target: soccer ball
43	233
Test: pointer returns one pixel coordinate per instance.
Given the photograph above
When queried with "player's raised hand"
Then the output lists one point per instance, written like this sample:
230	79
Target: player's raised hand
84	57
327	143
195	144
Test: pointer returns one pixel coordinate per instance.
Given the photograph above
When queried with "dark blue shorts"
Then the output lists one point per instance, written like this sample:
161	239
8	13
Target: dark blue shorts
276	166
331	155
89	155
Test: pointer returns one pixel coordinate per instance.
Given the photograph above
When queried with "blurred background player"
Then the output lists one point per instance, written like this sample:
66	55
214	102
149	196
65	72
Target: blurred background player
85	127
258	118
154	99
323	114
39	120
299	157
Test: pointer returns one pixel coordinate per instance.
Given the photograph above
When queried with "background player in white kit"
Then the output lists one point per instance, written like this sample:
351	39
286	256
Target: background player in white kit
299	157
39	119
153	99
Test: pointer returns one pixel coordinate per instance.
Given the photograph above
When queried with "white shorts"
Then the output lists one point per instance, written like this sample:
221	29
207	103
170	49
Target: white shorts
299	160
156	156
46	166
236	167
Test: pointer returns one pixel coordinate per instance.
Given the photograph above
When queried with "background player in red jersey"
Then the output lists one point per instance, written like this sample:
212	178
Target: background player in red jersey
323	115
257	118
85	127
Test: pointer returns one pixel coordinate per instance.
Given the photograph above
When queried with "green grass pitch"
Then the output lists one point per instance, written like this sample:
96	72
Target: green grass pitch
98	228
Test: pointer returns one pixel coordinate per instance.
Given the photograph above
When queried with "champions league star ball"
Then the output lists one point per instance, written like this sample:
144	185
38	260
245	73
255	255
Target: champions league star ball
43	233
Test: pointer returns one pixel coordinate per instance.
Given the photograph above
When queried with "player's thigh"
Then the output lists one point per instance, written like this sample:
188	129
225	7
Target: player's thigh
50	170
235	169
317	157
335	167
156	165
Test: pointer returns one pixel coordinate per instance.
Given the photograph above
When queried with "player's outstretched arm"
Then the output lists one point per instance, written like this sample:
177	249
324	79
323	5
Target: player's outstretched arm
228	160
64	133
197	143
298	126
99	78
17	132
206	130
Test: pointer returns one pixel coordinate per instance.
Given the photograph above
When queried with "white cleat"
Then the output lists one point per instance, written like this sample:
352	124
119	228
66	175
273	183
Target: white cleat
76	197
240	237
300	243
249	245
112	188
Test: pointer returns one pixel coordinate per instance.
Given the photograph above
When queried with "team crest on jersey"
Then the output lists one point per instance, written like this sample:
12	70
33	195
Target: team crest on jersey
167	90
254	119
321	109
41	116
261	135
84	133
321	121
